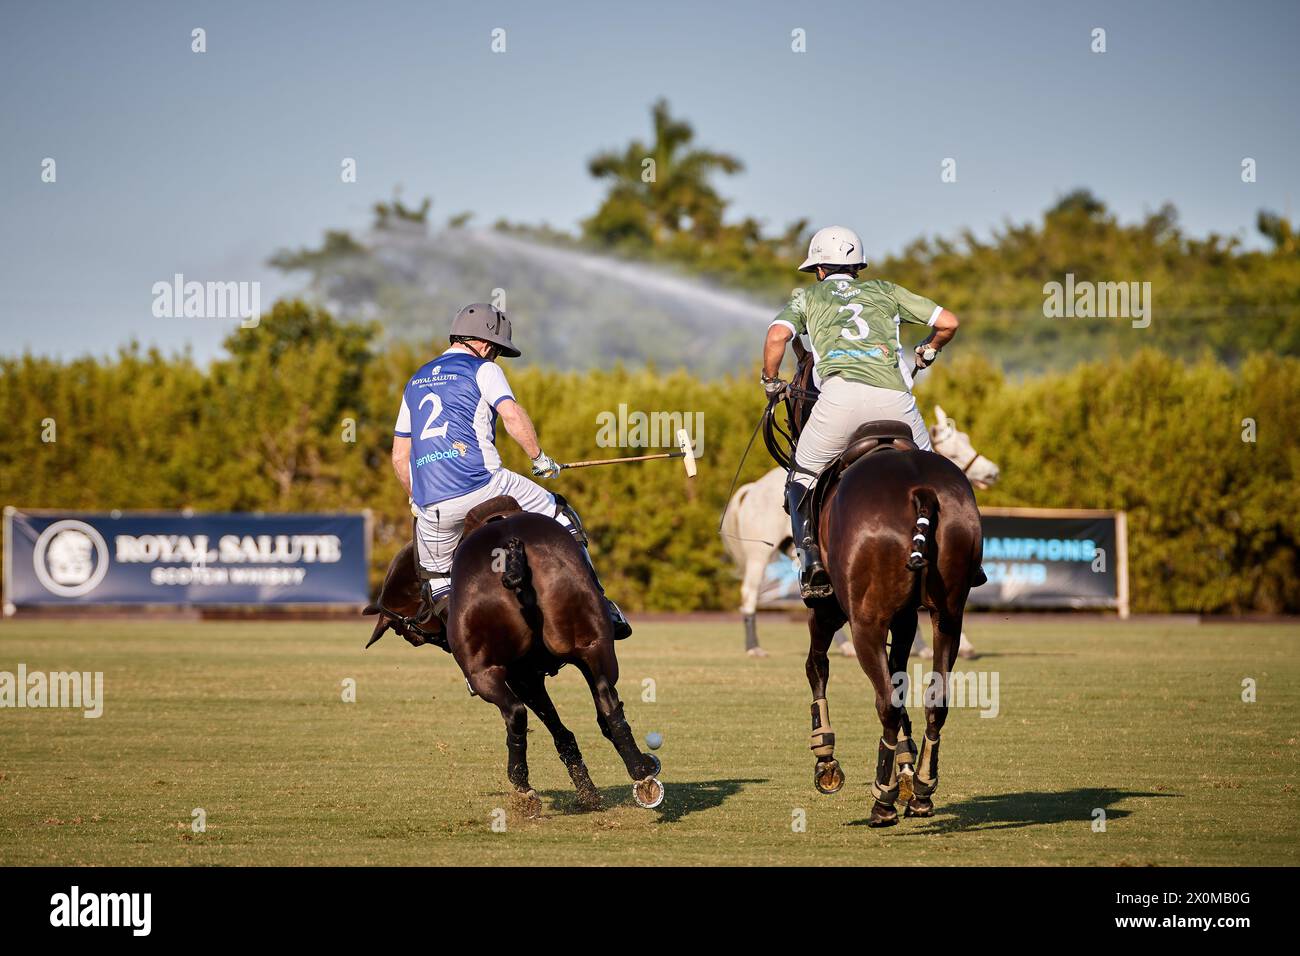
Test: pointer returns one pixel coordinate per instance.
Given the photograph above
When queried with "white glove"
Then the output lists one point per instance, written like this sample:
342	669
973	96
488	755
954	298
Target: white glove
544	466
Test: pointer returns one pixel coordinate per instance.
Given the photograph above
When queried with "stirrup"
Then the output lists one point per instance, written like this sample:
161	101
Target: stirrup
815	583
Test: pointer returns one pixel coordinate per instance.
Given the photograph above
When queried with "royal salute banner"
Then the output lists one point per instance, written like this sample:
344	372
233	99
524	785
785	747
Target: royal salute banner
67	558
1034	558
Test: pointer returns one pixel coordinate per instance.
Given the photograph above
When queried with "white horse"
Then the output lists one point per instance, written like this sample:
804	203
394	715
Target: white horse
756	526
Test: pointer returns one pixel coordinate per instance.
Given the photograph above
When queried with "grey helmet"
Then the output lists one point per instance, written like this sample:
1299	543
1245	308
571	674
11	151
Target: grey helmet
482	321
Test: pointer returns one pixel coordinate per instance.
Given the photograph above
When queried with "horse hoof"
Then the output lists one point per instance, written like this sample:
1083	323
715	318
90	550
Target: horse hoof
828	777
905	788
648	793
882	815
657	765
920	807
589	799
528	803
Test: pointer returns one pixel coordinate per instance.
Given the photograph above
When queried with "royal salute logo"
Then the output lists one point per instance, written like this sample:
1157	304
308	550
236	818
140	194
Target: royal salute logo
70	558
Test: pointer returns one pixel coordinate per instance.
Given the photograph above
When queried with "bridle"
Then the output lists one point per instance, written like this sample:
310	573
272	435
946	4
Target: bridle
965	469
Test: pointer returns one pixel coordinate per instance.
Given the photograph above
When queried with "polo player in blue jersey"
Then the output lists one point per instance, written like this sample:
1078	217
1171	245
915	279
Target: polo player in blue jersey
445	456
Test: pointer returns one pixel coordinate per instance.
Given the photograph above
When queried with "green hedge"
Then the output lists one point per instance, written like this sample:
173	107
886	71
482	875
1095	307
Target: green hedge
1214	521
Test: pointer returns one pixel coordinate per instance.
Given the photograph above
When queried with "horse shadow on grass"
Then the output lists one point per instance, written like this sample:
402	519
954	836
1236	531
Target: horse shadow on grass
681	799
1014	811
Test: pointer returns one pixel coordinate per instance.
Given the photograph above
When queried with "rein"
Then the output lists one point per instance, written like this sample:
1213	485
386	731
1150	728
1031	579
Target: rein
736	477
405	623
780	440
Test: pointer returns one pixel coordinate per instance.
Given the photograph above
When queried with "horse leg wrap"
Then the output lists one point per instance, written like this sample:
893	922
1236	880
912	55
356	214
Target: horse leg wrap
905	749
517	768
927	771
616	723
885	787
822	741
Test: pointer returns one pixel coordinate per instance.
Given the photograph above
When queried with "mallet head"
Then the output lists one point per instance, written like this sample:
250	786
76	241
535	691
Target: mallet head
688	453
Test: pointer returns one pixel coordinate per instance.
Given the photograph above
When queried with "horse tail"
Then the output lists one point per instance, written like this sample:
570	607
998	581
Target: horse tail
515	574
926	503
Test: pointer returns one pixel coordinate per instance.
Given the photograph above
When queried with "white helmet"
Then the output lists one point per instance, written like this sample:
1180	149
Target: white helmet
834	246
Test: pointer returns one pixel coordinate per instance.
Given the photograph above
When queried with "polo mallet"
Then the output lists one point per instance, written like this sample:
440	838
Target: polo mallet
684	452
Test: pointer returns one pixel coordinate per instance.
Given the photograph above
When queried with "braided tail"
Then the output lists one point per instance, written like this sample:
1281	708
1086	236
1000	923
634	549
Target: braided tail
516	573
927	512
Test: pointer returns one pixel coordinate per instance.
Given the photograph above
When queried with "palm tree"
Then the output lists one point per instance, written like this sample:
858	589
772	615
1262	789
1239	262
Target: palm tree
649	204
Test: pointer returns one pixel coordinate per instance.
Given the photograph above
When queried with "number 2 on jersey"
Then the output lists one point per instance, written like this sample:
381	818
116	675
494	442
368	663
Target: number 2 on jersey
429	431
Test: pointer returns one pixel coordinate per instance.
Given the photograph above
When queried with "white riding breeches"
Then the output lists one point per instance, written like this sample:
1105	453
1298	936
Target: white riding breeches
841	407
438	526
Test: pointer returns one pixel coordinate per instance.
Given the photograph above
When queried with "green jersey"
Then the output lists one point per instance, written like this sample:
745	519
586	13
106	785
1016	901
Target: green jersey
853	327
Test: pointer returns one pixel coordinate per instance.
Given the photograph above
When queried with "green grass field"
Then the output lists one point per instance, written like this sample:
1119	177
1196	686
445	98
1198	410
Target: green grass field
246	721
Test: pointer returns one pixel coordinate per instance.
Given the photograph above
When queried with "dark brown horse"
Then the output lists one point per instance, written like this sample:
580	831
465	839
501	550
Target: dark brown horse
524	604
899	531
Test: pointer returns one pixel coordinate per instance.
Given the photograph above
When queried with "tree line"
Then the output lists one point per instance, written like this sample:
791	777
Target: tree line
297	415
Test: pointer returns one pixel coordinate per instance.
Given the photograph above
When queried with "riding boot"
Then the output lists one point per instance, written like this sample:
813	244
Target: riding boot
431	610
814	582
622	629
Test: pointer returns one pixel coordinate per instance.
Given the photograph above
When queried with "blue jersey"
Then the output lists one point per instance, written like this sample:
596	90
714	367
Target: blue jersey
449	413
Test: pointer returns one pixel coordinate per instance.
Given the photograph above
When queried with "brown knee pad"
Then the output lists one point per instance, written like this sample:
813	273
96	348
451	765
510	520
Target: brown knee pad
822	741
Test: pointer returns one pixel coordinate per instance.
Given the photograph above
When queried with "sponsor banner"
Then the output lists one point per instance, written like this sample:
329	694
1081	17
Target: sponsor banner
192	559
1033	558
1045	561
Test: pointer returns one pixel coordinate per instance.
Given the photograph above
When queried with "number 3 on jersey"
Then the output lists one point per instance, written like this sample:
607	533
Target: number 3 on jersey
429	431
863	330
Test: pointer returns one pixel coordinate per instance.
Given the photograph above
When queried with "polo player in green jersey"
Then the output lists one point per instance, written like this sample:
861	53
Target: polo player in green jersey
851	326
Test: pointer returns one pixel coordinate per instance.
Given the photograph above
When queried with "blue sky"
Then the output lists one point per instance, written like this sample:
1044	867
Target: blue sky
170	161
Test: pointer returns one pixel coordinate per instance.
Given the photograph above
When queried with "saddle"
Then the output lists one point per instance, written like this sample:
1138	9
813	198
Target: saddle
873	436
494	509
870	438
